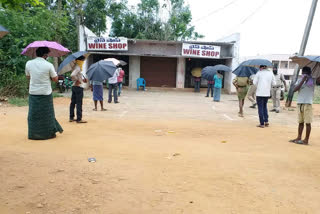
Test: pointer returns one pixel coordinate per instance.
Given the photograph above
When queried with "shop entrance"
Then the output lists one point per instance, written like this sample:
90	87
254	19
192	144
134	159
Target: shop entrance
199	62
97	57
159	71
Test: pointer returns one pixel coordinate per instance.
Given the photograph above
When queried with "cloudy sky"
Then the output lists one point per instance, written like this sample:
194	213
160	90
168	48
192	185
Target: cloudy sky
265	26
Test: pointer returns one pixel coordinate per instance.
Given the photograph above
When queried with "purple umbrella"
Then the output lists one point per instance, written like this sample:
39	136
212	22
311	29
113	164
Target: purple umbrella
56	49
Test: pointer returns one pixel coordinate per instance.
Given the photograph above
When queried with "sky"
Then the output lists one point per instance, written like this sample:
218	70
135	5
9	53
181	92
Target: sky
265	26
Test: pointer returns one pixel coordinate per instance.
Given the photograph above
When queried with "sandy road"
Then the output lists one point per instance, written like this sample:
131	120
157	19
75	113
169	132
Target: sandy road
159	152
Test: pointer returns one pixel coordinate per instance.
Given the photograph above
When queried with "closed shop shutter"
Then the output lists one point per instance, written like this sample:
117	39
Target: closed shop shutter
159	71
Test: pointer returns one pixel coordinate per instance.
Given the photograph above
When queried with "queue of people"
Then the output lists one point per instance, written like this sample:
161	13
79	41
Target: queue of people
42	123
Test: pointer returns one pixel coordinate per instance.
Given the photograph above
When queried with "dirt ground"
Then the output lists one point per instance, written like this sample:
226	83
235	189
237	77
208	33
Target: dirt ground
162	152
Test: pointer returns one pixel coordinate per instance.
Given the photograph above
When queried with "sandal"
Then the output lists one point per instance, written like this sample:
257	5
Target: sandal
293	141
103	109
94	109
301	142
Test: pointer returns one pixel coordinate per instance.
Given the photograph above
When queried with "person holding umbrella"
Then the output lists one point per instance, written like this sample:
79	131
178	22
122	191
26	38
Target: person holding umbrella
305	87
264	81
77	91
217	86
241	84
42	123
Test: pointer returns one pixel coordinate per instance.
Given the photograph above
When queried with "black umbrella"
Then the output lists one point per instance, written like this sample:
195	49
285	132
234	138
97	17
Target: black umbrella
101	70
3	31
69	62
209	71
245	71
257	63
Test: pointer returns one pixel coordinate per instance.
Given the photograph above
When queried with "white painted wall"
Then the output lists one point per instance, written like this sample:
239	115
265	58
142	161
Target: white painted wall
181	69
134	70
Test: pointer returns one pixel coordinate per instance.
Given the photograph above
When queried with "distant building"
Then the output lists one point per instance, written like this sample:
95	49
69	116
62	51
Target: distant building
162	63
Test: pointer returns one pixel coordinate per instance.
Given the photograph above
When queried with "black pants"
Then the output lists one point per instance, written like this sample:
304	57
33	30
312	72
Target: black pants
113	87
210	88
76	99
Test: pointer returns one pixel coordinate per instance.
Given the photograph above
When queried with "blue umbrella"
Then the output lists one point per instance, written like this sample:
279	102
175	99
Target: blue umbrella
245	71
101	70
3	31
311	61
69	62
209	71
257	63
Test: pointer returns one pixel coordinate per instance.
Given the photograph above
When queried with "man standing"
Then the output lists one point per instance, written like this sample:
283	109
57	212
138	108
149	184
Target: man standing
210	88
77	91
264	79
305	85
252	92
120	81
276	90
197	82
113	85
42	123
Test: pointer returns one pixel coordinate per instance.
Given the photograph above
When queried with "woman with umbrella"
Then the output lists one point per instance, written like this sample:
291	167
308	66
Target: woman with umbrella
241	82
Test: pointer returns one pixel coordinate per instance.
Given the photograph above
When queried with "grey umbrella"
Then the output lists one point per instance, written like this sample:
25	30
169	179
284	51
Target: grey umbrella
209	71
3	31
311	61
101	70
257	63
69	62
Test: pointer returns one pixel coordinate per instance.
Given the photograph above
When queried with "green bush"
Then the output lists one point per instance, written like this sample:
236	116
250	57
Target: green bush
13	85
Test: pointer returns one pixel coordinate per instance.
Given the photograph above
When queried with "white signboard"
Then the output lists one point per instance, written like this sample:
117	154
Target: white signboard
204	51
107	44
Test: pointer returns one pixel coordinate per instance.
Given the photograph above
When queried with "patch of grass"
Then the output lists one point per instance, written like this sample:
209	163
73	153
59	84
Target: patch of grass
17	101
55	94
317	95
316	99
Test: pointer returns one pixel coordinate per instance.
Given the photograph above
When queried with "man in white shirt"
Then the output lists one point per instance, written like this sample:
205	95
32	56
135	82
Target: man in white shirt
252	92
113	86
42	123
77	91
264	79
276	90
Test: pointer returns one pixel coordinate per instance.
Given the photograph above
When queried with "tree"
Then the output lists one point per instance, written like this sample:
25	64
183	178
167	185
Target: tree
95	13
19	4
179	21
148	22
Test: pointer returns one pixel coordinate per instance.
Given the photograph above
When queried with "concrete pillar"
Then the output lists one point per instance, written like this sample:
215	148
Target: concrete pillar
228	77
134	70
181	72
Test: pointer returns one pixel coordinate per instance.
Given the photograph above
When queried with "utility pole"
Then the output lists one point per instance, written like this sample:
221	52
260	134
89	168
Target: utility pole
302	50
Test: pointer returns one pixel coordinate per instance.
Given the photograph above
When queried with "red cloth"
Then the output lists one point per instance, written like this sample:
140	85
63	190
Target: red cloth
121	75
